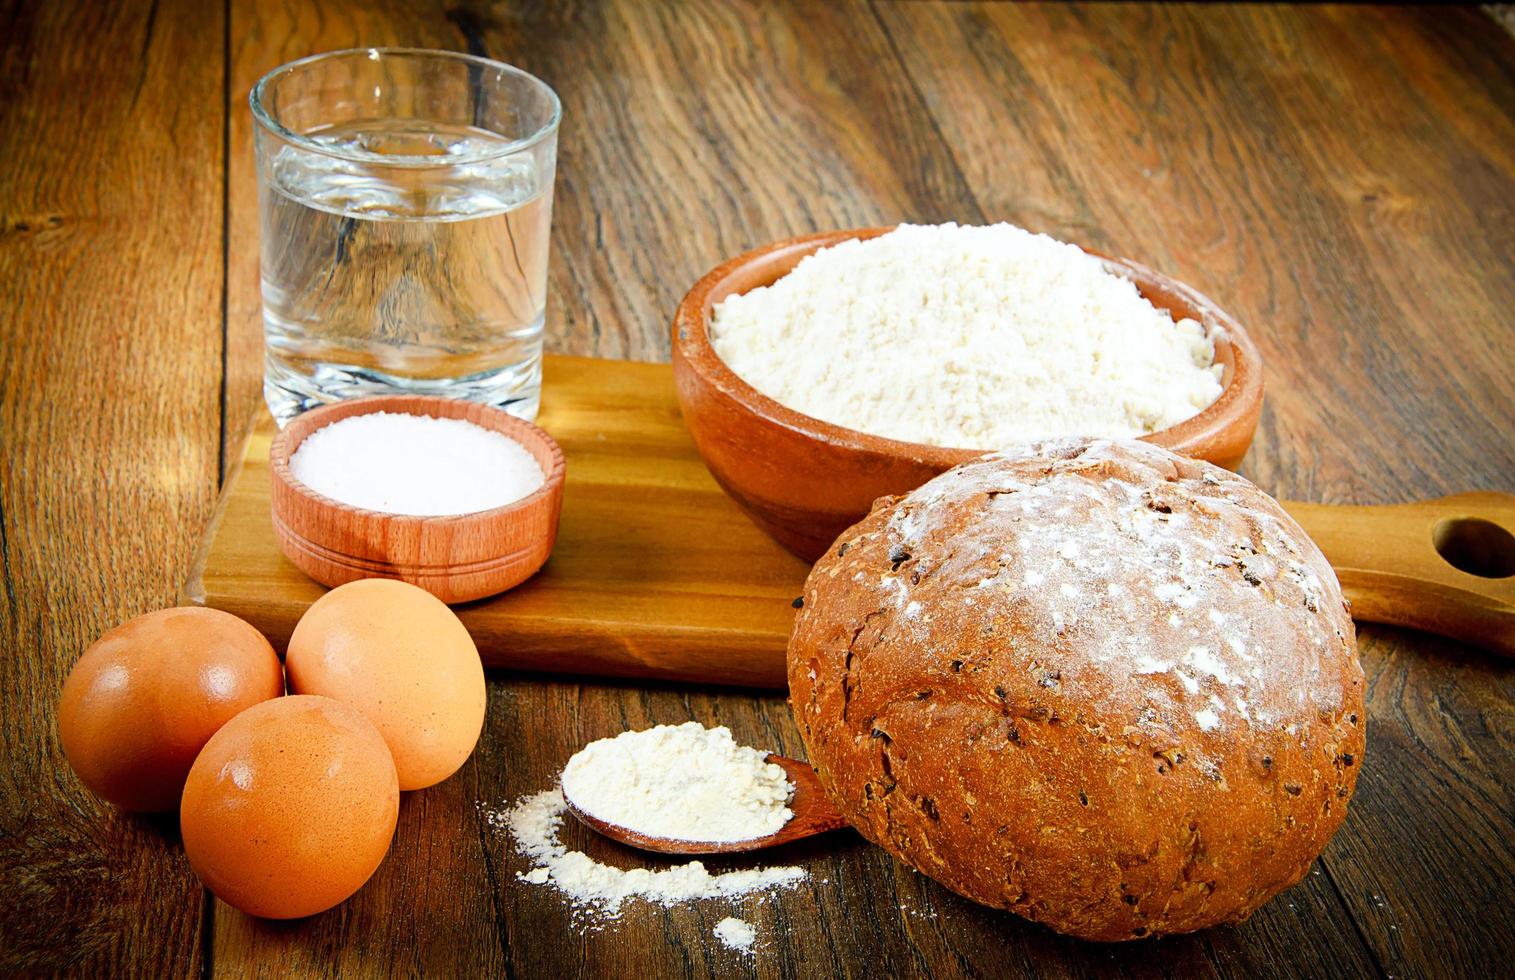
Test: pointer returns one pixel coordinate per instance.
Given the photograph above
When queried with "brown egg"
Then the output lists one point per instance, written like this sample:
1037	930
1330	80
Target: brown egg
142	701
290	807
399	655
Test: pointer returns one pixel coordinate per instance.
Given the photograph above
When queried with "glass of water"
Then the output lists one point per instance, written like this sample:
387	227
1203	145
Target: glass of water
406	200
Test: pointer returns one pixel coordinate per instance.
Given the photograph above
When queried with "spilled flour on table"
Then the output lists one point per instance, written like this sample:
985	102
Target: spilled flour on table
534	823
598	891
736	934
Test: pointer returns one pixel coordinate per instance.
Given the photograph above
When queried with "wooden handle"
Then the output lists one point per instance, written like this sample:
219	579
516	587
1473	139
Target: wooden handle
1446	566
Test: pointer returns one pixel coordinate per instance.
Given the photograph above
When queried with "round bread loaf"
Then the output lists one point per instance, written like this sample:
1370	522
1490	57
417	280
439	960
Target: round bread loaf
1106	687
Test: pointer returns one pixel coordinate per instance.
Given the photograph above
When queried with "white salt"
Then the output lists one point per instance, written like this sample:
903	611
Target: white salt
414	464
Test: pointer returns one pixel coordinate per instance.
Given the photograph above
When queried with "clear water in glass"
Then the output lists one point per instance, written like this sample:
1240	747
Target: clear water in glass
380	278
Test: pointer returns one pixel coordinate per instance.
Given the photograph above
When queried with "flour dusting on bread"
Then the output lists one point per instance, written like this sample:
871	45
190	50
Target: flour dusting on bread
1143	548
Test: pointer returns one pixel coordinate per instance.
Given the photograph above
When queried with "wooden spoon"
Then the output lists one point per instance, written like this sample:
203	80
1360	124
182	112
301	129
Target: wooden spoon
813	814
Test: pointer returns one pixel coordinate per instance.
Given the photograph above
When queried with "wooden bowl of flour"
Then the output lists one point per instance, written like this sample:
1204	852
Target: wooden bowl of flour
804	481
456	557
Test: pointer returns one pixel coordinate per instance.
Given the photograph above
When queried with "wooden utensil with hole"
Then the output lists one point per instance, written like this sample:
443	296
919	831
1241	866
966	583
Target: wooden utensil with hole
1446	566
813	814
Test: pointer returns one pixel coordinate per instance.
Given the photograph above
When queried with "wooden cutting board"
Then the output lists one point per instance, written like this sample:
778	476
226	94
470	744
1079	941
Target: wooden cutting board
657	574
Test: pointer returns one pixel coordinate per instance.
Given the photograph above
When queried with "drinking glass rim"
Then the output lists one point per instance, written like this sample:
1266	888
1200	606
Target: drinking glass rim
268	122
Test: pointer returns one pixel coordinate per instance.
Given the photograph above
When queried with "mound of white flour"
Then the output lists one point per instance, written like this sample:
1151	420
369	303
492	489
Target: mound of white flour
968	337
680	782
736	934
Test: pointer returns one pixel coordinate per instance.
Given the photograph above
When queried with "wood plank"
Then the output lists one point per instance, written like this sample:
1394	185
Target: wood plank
110	308
1424	859
1343	182
693	132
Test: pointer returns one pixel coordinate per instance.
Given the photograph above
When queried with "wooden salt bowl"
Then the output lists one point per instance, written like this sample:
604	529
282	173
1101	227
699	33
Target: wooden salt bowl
456	558
805	481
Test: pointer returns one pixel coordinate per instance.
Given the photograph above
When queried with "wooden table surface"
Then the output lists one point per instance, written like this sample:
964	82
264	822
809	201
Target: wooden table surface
1342	179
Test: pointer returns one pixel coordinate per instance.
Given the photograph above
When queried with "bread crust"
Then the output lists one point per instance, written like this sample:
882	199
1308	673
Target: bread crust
1111	689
